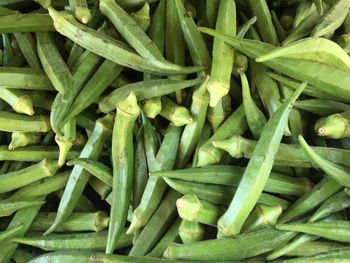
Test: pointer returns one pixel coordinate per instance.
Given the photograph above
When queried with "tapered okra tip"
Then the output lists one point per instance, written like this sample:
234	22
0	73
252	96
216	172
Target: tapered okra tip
51	229
135	224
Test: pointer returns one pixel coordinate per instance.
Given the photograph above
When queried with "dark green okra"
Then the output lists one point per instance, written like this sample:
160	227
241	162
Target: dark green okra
288	154
79	176
145	90
82	241
218	194
257	171
231	176
230	249
123	162
13	122
20	178
77	222
155	187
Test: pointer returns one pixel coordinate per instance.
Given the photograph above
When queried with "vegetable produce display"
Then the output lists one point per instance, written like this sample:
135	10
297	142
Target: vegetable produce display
174	131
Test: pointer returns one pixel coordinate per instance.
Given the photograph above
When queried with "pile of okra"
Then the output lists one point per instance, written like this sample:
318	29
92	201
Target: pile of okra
175	131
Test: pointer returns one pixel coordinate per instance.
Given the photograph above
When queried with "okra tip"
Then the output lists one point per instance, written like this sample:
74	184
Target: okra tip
135	224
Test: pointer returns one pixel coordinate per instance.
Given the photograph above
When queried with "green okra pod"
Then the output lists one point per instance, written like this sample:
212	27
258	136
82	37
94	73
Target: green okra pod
319	193
191	208
310	91
169	237
27	45
299	241
255	118
17	179
335	126
23	217
152	107
43	187
97	84
116	51
24	78
177	115
97	169
333	19
13	122
155	187
123	162
79	176
220	76
133	34
218	194
336	202
26	23
33	153
142	17
83	241
257	171
335	256
19	101
191	132
54	65
265	25
194	40
308	49
66	140
335	230
231	175
174	41
79	256
81	10
238	248
321	107
288	155
300	69
19	139
157	225
10	232
336	172
190	231
312	248
235	124
262	217
96	221
145	90
7	208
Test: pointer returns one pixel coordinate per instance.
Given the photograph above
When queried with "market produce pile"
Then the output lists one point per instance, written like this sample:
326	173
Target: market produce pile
174	130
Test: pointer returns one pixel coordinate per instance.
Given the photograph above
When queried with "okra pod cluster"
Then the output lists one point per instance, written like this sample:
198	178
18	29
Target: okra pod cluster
174	131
